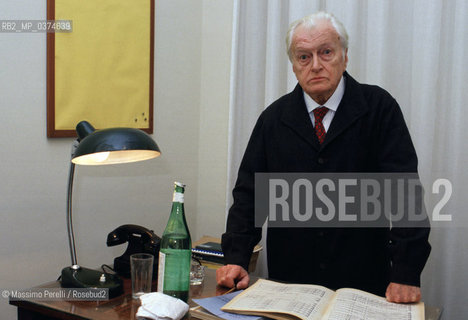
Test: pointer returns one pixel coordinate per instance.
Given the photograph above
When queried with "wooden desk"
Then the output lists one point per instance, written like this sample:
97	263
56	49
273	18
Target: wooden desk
121	307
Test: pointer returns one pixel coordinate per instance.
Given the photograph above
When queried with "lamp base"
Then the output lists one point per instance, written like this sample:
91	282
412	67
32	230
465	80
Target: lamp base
79	277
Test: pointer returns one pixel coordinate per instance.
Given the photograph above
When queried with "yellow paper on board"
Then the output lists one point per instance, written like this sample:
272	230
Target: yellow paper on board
102	68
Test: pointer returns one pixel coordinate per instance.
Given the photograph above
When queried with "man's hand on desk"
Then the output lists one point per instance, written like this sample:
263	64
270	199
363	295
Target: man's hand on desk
402	293
232	276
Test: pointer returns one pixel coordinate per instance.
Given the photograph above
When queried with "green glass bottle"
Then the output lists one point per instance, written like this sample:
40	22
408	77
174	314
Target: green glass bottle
175	254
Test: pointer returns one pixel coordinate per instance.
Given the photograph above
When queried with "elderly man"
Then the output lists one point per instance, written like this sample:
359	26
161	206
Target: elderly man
329	123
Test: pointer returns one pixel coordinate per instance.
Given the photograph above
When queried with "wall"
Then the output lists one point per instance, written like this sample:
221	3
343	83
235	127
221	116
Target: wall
192	54
214	116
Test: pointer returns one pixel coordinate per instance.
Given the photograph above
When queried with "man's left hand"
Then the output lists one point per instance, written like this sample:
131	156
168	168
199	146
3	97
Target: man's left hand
402	293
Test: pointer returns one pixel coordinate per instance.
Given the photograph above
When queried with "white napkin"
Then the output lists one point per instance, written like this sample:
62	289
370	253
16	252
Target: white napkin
158	306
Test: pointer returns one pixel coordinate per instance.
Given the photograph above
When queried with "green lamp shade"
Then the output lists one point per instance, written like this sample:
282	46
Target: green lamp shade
114	145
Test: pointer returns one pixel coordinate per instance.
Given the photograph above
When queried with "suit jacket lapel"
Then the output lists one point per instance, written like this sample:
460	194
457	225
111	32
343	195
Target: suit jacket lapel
352	107
296	117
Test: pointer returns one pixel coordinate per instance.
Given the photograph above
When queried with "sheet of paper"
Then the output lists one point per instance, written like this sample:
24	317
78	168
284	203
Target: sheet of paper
102	68
214	304
350	304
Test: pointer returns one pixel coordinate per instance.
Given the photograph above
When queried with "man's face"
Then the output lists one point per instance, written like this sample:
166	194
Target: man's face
318	61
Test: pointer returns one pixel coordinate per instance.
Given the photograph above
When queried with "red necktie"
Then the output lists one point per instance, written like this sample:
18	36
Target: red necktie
319	113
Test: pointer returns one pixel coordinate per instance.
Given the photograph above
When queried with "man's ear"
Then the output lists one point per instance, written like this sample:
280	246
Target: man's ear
293	67
346	58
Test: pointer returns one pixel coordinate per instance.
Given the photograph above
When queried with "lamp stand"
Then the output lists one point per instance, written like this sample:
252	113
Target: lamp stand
76	276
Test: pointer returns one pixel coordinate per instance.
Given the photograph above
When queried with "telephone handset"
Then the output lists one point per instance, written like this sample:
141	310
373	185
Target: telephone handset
140	240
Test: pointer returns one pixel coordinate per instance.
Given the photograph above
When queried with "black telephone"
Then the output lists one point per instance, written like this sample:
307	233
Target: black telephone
140	240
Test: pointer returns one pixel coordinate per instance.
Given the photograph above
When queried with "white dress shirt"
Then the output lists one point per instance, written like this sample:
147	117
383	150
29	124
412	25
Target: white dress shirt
331	104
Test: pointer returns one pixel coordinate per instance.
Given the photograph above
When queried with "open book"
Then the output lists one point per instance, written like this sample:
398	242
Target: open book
310	302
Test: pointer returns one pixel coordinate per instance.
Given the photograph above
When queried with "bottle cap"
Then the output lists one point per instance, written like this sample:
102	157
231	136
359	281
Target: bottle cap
179	184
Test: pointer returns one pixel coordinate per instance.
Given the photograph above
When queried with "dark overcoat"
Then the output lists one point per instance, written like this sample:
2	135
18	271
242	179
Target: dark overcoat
367	134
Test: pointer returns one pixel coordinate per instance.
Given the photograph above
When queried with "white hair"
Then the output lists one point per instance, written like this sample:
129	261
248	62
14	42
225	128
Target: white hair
311	22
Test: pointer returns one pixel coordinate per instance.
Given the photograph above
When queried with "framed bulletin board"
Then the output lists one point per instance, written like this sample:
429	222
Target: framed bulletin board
101	71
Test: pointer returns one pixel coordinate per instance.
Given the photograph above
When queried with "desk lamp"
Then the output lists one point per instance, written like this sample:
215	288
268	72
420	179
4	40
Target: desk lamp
100	147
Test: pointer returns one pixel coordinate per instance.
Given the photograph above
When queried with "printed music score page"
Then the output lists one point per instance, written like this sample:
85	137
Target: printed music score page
311	302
